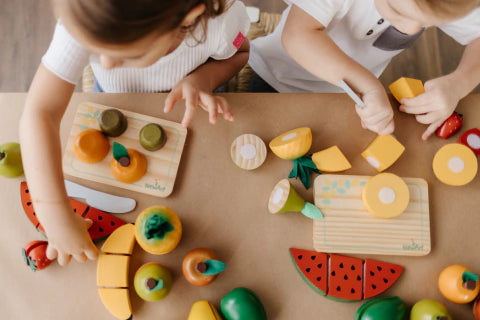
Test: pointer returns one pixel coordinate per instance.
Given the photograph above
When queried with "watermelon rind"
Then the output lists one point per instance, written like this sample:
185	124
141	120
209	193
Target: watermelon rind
310	284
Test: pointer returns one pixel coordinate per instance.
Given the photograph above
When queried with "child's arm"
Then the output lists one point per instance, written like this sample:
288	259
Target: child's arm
304	40
442	94
197	87
67	232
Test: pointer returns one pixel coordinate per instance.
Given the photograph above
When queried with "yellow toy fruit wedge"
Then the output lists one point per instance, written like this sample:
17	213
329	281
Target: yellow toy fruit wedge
248	151
383	152
203	310
455	164
284	198
385	195
121	241
112	271
158	230
292	144
406	88
331	160
117	302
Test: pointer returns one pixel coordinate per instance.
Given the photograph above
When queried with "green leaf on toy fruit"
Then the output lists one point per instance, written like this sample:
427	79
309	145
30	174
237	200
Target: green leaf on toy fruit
158	286
25	258
302	168
214	267
119	151
469	276
311	211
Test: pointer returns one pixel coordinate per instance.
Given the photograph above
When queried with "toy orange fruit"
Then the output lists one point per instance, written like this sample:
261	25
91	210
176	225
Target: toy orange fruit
458	284
158	230
200	267
90	146
128	165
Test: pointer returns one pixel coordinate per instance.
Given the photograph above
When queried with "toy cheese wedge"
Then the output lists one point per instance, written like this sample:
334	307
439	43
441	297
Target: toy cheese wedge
406	88
331	160
383	152
455	164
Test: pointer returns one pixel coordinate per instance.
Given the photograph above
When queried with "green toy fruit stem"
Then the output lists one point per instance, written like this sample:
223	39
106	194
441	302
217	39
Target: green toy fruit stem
303	168
158	286
311	211
471	277
213	267
119	151
2	155
157	227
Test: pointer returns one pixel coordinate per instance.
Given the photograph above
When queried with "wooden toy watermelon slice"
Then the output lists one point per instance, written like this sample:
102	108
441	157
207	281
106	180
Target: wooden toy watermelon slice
103	223
344	278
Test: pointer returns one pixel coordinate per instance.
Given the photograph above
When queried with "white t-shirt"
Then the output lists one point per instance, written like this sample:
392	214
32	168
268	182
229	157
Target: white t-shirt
353	25
66	58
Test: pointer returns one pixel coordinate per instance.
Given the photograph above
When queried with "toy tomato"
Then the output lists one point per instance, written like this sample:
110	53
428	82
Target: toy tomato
200	266
35	255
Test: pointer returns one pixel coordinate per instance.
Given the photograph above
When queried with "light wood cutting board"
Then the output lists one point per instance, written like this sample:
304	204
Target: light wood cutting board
162	165
349	228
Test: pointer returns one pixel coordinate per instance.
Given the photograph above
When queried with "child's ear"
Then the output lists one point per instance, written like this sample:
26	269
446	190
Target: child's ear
193	14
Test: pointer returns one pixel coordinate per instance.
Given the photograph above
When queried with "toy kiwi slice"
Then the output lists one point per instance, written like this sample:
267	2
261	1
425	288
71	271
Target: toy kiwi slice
152	137
112	122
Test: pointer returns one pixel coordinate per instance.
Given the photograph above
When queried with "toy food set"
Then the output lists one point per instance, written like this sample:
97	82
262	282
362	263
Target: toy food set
348	227
455	164
331	160
203	310
152	281
103	223
406	88
459	284
471	138
10	160
248	151
294	145
35	255
284	198
242	303
139	135
201	266
344	278
391	308
383	152
450	126
428	309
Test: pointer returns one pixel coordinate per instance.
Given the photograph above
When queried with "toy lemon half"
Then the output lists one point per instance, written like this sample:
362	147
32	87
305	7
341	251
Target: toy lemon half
385	195
158	230
455	164
248	151
292	144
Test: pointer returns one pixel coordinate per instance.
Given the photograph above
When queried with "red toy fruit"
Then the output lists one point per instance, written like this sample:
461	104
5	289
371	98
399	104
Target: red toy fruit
476	309
103	223
344	278
450	126
471	138
35	255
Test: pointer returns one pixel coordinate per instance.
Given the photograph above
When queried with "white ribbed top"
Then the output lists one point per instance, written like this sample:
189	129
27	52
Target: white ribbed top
66	57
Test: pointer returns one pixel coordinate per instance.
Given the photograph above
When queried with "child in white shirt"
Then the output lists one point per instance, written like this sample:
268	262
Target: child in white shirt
319	42
187	46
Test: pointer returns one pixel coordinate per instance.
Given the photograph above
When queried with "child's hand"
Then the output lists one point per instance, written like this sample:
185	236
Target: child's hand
196	94
435	105
377	115
68	236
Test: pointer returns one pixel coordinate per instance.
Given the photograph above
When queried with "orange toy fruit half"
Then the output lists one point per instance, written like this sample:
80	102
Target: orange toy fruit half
194	266
90	146
132	172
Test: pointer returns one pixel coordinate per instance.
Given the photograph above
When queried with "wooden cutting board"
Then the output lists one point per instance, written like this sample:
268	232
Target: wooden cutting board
349	228
162	165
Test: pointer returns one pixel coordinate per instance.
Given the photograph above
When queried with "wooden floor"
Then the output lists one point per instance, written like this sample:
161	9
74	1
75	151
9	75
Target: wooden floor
27	28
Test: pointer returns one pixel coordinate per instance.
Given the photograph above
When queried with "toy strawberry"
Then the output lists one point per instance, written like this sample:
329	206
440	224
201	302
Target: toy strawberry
450	126
35	255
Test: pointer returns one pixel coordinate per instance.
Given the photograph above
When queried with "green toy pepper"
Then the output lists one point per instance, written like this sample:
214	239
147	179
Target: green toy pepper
242	304
392	308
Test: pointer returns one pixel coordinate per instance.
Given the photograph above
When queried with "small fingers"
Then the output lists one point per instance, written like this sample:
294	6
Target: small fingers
171	99
427	118
430	130
416	109
388	128
52	253
211	103
225	109
191	103
81	257
418	101
63	259
92	253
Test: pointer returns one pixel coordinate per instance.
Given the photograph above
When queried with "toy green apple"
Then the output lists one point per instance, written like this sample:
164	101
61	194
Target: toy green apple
428	309
10	160
152	281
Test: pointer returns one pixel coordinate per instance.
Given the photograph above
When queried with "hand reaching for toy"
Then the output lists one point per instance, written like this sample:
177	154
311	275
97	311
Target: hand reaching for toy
197	94
377	115
435	105
68	237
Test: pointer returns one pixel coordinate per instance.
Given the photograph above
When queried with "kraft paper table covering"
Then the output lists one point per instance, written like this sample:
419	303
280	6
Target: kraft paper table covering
225	209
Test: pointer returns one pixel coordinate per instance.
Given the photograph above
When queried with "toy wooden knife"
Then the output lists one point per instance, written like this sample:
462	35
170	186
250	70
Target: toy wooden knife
100	200
351	93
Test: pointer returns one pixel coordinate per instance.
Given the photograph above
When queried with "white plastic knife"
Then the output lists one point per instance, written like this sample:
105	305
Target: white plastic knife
100	200
351	93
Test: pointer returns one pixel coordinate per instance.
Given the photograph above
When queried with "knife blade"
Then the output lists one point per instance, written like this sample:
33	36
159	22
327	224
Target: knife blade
351	93
100	200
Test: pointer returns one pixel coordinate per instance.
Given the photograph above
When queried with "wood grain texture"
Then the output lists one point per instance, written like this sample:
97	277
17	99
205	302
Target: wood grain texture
349	228
248	151
162	165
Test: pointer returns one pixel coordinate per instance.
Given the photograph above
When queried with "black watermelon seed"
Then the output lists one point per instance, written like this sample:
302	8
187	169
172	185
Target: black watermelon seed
29	203
352	290
308	269
371	273
345	277
359	278
313	257
341	265
333	273
112	223
319	278
319	265
100	229
385	280
374	286
392	270
379	268
300	257
352	267
27	191
338	288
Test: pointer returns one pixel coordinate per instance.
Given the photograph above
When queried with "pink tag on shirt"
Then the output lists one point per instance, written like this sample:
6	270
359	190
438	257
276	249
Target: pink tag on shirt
239	40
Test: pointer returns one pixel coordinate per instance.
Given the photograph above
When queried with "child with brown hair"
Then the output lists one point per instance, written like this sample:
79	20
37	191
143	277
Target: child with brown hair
187	47
320	42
